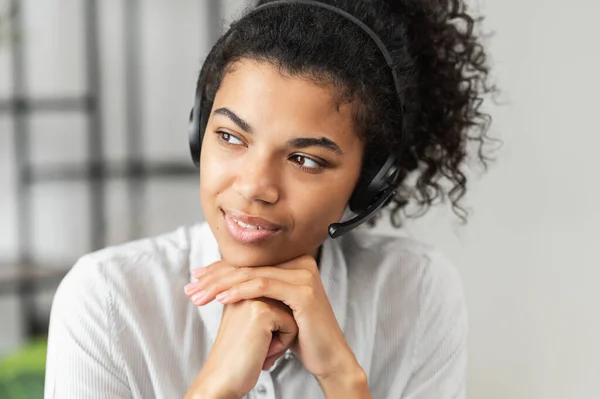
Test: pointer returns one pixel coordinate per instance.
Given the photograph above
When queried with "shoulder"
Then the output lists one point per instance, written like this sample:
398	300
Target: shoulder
412	261
413	294
423	284
167	251
129	269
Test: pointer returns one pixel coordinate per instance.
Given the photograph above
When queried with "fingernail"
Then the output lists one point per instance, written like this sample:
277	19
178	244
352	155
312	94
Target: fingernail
198	297
222	296
190	287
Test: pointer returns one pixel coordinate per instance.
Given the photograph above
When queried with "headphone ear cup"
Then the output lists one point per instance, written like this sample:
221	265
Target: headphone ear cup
195	132
363	195
194	138
372	183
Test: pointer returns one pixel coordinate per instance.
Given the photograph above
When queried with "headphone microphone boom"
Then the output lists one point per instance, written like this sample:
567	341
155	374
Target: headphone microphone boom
341	228
376	186
381	190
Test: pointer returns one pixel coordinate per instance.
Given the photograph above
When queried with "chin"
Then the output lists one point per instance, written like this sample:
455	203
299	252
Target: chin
248	257
242	255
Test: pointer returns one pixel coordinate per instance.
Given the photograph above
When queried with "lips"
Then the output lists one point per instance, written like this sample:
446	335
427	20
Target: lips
249	229
251	221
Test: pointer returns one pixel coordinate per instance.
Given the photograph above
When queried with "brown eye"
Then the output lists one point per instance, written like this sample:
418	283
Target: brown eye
307	163
229	138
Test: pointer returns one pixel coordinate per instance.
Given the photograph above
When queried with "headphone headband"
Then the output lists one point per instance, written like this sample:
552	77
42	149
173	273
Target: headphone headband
384	51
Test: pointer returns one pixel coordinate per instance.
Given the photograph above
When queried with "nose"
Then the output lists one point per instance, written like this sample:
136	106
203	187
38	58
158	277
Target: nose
258	179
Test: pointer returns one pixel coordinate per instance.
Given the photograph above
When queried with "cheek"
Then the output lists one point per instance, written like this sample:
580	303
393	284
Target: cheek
313	213
213	179
320	207
213	171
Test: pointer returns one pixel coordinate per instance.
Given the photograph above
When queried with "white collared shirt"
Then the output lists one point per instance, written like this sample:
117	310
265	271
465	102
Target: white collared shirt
122	327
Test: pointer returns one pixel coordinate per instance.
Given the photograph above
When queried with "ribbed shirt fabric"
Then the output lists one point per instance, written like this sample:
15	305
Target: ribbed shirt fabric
122	327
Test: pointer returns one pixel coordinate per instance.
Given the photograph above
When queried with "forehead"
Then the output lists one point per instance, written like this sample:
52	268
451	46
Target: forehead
273	101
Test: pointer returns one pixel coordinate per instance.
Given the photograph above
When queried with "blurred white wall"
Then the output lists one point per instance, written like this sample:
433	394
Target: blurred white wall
529	256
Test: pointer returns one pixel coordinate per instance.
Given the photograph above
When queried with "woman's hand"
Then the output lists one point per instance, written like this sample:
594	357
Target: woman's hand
321	345
252	335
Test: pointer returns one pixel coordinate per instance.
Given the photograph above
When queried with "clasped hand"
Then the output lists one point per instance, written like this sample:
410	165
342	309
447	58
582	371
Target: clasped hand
320	344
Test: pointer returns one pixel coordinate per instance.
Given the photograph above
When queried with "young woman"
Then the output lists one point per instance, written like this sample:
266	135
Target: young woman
306	114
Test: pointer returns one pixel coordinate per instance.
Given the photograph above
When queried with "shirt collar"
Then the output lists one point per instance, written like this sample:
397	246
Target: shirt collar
332	267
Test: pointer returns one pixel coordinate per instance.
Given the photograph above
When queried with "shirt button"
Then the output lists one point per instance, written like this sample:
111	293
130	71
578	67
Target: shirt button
288	355
261	389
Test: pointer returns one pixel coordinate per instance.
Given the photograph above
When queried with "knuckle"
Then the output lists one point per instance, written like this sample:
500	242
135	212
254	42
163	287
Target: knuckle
259	310
208	282
262	283
306	275
233	291
257	306
309	262
247	273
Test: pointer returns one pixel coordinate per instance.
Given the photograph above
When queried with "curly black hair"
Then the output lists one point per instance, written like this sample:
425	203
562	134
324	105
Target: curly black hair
439	59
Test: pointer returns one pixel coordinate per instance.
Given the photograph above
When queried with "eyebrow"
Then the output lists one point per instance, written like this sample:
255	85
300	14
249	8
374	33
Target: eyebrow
242	124
296	142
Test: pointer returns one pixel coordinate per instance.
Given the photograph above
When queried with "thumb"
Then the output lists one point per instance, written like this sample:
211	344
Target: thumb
286	329
276	349
279	344
284	335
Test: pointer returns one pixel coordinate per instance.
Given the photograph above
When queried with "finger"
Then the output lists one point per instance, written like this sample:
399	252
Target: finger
284	335
276	346
203	271
305	262
276	350
282	341
206	289
270	361
290	294
283	323
290	276
304	272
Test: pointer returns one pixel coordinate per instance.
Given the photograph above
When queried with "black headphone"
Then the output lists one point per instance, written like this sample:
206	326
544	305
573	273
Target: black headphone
375	187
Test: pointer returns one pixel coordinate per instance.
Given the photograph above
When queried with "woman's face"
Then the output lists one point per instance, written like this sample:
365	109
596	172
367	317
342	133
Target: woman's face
279	162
